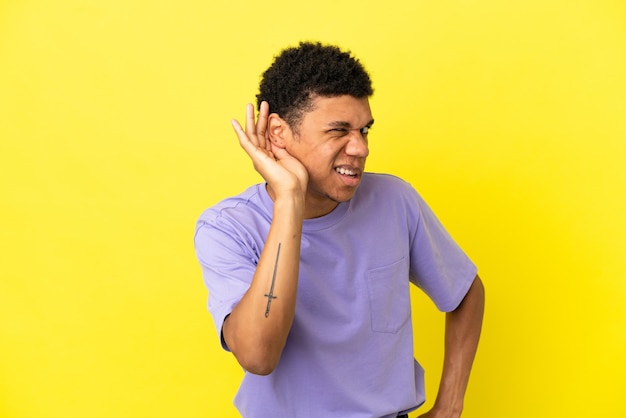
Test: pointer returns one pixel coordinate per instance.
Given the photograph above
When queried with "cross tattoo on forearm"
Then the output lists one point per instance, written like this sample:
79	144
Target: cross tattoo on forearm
270	295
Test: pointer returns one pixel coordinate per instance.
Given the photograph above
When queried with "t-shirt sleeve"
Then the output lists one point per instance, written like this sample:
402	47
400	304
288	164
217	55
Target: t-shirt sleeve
228	266
438	265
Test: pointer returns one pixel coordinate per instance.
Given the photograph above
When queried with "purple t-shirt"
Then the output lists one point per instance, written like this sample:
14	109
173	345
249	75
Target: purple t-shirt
350	350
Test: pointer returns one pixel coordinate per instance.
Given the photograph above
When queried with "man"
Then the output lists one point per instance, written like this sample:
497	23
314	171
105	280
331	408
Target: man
308	274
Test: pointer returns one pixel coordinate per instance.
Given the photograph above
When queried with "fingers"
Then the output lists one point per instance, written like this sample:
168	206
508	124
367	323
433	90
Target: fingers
257	132
241	135
254	138
250	125
261	126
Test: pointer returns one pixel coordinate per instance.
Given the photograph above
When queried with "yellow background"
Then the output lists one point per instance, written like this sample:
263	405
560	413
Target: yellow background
508	116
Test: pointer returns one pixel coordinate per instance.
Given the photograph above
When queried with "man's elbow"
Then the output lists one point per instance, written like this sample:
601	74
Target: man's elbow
256	354
257	363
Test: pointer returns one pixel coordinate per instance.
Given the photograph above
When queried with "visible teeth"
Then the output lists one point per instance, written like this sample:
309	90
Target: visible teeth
342	170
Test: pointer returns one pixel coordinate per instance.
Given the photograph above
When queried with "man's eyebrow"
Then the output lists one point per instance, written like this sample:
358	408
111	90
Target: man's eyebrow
344	124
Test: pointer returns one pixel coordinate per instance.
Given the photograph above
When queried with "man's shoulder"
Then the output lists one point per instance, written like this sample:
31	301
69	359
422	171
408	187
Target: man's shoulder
385	191
248	201
386	183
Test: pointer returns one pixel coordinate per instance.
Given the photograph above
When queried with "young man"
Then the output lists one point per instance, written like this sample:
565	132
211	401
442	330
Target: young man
308	273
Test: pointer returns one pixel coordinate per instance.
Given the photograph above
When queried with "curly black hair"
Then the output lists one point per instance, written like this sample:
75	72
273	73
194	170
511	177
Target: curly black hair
298	74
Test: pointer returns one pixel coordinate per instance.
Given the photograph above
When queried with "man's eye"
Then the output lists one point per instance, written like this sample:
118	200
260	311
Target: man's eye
365	130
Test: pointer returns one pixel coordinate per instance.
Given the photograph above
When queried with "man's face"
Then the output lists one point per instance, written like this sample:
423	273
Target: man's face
331	142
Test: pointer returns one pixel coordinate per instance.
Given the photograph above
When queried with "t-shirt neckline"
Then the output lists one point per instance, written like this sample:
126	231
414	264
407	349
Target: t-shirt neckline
314	224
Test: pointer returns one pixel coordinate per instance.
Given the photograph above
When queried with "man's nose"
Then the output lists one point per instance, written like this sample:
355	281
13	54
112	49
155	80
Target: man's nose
357	146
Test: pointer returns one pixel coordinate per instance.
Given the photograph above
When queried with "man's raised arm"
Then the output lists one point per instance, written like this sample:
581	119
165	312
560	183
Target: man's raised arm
257	328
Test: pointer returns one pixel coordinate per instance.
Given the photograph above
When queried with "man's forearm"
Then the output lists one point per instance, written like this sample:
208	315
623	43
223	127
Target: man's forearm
463	327
257	328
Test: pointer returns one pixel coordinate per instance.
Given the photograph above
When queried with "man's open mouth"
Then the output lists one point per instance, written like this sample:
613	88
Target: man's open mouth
345	171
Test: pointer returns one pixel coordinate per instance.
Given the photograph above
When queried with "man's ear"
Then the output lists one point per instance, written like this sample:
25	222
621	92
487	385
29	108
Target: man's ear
278	130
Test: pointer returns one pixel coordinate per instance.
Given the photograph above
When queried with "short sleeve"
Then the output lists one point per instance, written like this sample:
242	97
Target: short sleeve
228	265
438	265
